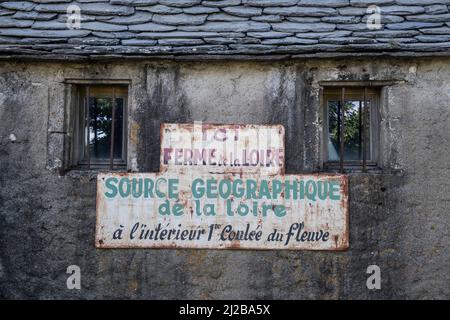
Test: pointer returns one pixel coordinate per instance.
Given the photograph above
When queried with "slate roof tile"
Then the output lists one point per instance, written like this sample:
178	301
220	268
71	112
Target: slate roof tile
366	3
303	19
180	42
303	27
436	9
161	9
200	10
153	27
239	26
301	11
402	10
137	18
224	17
118	28
387	19
326	3
242	11
180	3
179	19
437	31
270	3
18	5
33	15
8	22
17	32
221	3
429	17
422	2
269	35
289	40
139	42
176	34
412	25
268	18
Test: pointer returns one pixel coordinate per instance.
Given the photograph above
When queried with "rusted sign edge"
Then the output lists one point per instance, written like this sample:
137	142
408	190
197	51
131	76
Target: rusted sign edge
343	247
190	125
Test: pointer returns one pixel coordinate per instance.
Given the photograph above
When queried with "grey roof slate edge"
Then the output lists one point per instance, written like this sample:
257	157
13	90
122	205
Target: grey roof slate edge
223	29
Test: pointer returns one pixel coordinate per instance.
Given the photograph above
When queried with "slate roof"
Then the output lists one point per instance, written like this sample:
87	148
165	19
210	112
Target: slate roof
250	28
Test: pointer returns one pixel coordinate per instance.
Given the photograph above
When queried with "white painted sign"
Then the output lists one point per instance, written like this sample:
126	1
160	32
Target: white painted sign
220	211
222	148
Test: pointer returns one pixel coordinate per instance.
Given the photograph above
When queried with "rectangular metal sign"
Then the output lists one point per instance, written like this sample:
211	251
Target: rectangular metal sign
217	148
222	211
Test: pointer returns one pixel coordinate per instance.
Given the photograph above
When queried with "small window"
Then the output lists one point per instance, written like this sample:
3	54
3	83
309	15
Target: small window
100	127
351	132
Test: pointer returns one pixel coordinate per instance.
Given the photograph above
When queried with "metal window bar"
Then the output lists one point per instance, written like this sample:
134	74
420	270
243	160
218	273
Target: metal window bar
339	122
360	120
364	131
113	118
363	134
88	122
341	133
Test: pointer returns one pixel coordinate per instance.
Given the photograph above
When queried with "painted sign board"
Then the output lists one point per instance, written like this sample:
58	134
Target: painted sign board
222	211
222	148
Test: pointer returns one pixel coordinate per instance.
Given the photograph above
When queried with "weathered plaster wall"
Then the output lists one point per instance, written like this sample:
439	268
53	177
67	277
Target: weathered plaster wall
398	217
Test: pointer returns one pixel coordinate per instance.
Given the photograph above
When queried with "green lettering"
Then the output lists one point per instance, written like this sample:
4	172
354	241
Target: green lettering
158	192
211	188
277	187
148	188
135	183
173	188
238	192
124	182
251	189
334	187
198	189
322	189
264	190
311	190
224	194
109	184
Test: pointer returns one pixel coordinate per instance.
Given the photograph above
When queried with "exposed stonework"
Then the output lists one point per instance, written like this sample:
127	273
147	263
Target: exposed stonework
25	25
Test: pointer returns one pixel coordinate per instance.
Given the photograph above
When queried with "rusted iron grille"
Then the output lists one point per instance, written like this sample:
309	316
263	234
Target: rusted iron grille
362	132
87	105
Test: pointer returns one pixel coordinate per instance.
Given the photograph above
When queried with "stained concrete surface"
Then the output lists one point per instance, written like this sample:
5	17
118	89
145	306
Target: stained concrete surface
398	215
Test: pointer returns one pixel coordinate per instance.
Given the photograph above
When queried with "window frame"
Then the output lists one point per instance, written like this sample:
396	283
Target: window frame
77	142
353	92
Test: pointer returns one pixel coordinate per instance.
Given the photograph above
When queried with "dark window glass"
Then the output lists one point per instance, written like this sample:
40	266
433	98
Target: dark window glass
353	130
100	124
118	131
100	128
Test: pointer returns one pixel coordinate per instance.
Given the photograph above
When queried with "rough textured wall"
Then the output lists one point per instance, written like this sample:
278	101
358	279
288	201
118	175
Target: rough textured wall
398	217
